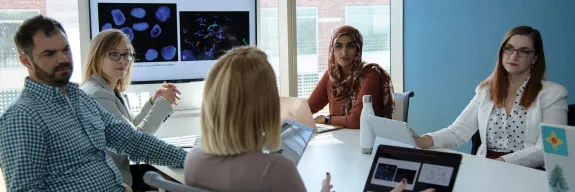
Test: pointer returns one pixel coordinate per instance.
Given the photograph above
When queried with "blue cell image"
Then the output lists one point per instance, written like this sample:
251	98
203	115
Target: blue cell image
151	27
129	32
156	31
163	13
106	26
188	55
151	54
118	17
138	12
168	52
140	26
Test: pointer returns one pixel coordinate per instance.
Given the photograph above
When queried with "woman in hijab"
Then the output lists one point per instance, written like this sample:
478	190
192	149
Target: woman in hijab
347	80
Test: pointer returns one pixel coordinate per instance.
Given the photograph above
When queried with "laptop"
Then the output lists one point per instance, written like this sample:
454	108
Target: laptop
559	156
295	138
396	131
422	169
297	110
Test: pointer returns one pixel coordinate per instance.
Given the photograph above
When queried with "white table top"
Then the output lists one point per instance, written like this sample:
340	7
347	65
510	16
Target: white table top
338	152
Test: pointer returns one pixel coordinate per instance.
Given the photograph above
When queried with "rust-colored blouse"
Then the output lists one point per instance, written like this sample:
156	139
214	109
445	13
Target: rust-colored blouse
371	85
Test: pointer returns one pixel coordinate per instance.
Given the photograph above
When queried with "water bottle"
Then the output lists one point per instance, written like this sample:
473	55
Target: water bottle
366	133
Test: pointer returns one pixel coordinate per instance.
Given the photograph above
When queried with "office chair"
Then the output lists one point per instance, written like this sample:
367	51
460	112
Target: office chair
401	106
571	115
156	180
475	143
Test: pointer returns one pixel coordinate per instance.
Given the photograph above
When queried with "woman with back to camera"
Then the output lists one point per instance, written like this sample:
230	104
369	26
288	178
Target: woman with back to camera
107	76
509	105
347	80
240	118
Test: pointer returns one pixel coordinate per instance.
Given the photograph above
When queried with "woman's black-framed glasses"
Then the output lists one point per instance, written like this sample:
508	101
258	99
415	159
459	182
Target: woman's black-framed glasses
523	52
115	56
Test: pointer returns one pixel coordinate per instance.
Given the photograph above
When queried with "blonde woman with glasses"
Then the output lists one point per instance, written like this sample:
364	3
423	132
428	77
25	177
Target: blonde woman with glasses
107	76
240	118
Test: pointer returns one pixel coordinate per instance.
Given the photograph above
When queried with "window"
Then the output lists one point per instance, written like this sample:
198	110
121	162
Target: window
306	30
306	21
269	31
374	24
306	36
370	17
10	67
269	41
12	14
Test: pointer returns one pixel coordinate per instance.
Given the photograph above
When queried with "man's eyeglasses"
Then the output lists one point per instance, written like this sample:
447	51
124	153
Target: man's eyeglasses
115	56
523	52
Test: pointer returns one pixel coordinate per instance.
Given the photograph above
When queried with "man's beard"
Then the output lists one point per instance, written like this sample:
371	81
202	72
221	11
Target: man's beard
51	78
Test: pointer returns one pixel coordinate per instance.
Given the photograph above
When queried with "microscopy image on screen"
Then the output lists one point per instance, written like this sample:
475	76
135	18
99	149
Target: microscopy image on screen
406	174
208	35
152	28
385	171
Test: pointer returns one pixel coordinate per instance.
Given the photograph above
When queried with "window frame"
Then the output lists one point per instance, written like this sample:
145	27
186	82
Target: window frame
396	48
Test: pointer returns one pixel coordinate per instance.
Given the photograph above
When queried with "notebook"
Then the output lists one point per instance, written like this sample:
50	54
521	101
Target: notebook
558	153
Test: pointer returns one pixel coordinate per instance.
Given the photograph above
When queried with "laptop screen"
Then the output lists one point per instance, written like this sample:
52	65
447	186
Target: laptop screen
422	169
295	138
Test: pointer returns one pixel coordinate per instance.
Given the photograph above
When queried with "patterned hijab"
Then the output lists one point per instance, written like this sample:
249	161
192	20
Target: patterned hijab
348	88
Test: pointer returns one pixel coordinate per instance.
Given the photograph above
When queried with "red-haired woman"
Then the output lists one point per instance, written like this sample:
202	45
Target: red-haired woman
509	105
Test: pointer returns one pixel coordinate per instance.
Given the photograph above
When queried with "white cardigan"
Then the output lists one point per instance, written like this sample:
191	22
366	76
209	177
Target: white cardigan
550	106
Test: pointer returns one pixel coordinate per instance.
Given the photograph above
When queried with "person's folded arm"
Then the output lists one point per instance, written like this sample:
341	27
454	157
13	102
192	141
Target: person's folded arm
122	138
371	85
23	150
555	110
318	98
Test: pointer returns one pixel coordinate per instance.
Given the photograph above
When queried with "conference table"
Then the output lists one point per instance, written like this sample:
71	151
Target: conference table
338	153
